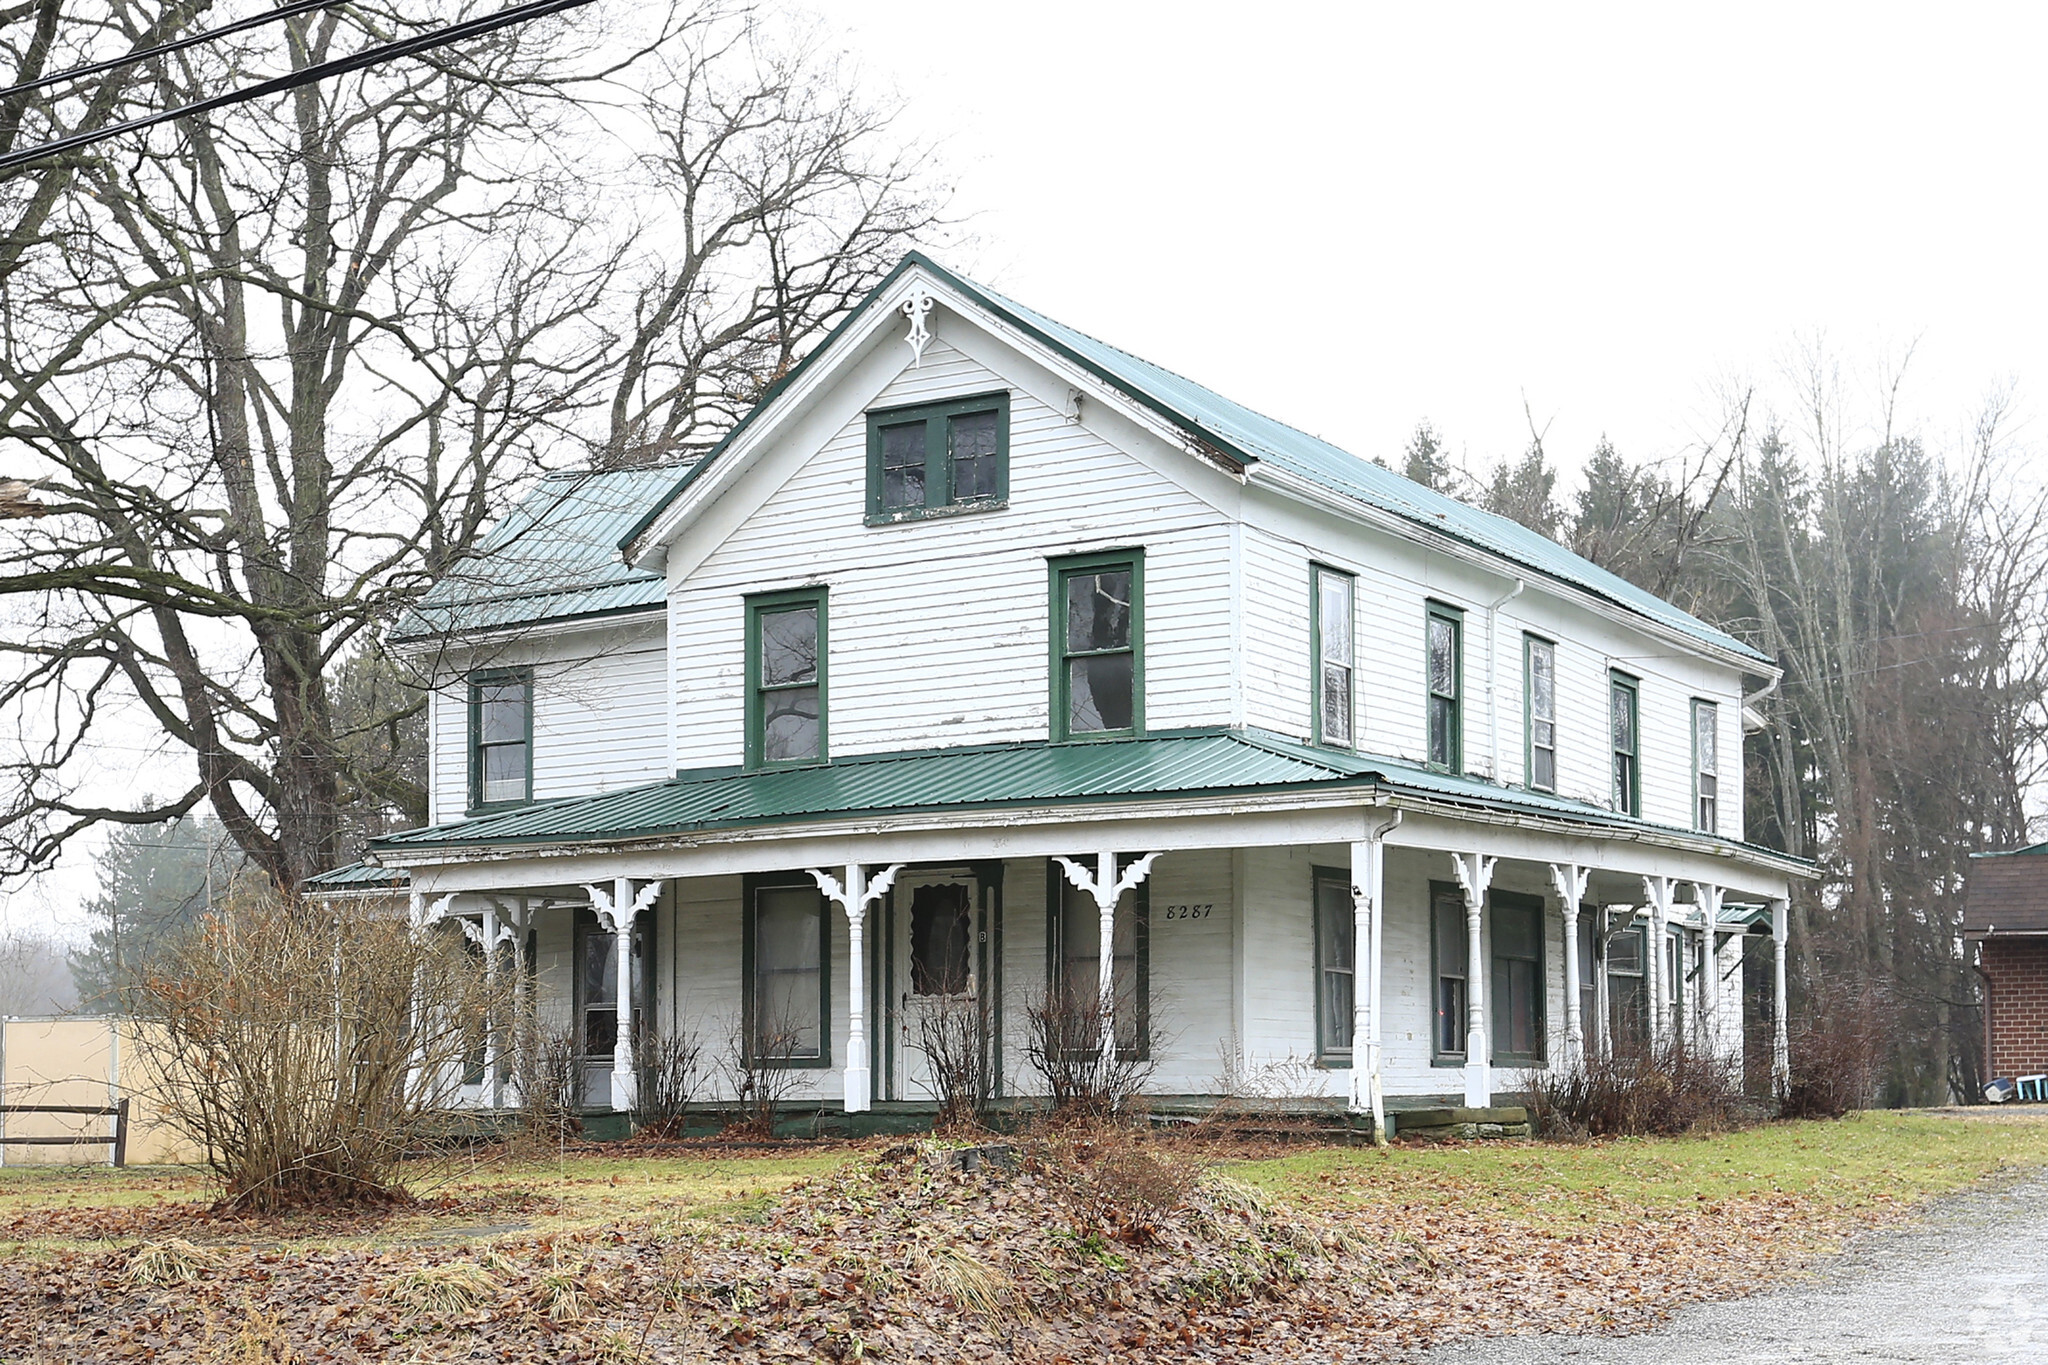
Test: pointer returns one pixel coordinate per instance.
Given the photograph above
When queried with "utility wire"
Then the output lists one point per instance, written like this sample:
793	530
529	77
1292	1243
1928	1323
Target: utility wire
276	85
79	73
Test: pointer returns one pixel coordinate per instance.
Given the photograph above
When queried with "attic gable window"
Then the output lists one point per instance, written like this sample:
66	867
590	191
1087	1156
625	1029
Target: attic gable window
938	459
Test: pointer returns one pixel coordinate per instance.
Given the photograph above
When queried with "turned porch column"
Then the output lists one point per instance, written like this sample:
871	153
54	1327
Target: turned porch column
1658	890
616	912
1570	881
1781	1046
853	896
1475	874
1368	920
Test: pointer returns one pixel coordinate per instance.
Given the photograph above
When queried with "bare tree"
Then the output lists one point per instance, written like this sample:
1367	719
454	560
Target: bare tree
271	371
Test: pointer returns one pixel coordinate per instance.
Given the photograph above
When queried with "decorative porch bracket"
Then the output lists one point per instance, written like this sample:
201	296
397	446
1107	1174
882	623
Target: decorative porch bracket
854	896
1475	874
1106	888
1781	1046
1368	898
1659	891
616	912
422	916
1708	897
1570	881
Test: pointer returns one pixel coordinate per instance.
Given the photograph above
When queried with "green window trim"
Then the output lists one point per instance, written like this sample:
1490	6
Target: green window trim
752	885
766	604
1440	1055
1056	887
1499	1003
1539	731
1332	658
1444	695
1625	700
939	468
1061	657
1335	1054
1706	766
478	681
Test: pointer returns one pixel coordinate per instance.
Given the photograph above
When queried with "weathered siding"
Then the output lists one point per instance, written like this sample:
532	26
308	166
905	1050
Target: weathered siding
938	629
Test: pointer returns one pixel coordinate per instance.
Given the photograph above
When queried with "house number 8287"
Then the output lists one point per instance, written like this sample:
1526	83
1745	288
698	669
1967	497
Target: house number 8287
1190	911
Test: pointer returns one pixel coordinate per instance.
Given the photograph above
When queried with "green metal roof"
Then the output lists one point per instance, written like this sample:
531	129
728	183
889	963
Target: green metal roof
358	877
553	557
1253	437
1155	768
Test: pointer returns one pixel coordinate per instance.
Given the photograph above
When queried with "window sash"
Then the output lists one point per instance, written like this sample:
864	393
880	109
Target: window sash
1444	665
788	659
1516	1006
1624	717
1541	691
1336	962
500	738
1448	944
1705	766
1098	646
787	951
1335	602
939	458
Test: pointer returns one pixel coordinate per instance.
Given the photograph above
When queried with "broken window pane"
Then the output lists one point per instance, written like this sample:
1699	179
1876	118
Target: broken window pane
1099	611
1099	693
903	466
974	457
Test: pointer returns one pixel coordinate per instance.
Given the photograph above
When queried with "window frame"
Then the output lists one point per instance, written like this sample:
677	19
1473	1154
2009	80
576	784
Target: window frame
1059	570
1637	1033
1332	1055
1530	643
1629	802
938	457
1438	1055
477	681
1056	888
1455	740
1316	574
1496	1012
1701	706
767	603
751	886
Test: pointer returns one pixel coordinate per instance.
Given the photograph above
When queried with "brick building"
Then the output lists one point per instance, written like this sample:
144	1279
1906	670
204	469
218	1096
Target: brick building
2006	914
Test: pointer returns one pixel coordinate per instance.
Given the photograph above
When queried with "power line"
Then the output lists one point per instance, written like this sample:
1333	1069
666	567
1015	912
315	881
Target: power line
79	73
276	85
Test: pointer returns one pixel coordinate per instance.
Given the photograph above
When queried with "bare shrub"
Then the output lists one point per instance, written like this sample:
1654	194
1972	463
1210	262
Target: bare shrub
953	1036
1121	1177
671	1067
1064	1031
758	1075
294	1056
549	1071
1837	1049
1639	1091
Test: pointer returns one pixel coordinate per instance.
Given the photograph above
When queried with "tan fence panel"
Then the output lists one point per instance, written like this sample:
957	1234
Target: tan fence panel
82	1062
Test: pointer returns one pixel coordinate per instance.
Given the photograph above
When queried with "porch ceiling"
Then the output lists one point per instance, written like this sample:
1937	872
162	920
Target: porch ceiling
1151	772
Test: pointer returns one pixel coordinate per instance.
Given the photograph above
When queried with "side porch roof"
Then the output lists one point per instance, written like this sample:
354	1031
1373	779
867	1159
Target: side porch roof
1159	768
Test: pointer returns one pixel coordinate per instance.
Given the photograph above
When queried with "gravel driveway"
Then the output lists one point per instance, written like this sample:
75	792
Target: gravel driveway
1968	1282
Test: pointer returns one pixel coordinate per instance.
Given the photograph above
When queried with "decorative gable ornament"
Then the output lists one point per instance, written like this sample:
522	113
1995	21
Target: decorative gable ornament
916	307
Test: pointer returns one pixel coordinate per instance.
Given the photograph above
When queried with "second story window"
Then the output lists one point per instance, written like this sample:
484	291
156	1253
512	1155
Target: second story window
500	738
938	458
1624	720
1540	688
1332	631
1446	688
1098	645
1706	771
786	652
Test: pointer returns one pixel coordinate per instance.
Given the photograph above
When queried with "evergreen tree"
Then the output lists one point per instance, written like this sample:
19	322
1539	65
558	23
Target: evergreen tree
154	881
1524	490
1428	462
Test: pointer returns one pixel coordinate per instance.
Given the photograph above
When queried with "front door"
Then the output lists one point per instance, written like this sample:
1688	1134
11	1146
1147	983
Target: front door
937	1004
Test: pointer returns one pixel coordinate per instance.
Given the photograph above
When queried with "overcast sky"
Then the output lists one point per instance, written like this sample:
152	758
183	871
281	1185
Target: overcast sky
1359	217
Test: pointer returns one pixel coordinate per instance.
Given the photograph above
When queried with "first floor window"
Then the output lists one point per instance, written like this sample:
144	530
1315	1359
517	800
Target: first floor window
1446	662
1706	769
1589	976
1540	661
1333	655
1623	721
1098	645
1336	957
597	994
1077	963
500	738
786	653
1628	991
786	980
1517	1003
941	940
1675	957
1448	944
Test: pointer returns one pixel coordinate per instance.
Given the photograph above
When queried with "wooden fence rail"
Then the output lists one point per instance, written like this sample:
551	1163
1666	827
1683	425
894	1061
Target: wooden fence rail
118	1139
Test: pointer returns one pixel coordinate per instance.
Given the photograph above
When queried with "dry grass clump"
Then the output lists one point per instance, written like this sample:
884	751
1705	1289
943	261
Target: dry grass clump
957	1273
446	1290
568	1291
171	1261
1640	1092
260	1339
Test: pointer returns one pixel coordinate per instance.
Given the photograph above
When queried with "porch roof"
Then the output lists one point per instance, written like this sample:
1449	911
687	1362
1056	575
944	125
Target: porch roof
1155	768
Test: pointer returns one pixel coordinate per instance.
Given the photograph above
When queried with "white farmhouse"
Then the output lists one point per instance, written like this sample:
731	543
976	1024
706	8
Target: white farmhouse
982	655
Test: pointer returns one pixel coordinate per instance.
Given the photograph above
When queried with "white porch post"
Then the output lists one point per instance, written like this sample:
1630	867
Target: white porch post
423	917
1570	881
1709	898
1781	1046
488	1099
1368	919
616	911
1658	890
854	895
513	932
1475	874
1106	888
1603	1008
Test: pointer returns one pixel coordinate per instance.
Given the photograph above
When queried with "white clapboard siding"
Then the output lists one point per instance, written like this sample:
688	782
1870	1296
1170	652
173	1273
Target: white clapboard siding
598	718
1190	985
938	629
